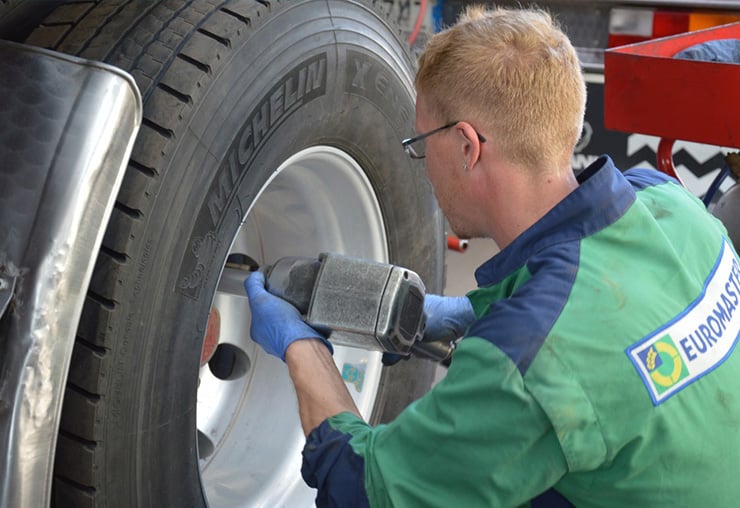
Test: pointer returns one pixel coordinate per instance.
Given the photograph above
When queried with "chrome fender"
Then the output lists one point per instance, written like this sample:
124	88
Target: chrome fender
67	127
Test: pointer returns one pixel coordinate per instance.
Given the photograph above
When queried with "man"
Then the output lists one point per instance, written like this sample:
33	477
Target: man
598	366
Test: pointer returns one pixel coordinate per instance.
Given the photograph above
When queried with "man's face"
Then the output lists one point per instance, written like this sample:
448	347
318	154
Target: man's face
443	163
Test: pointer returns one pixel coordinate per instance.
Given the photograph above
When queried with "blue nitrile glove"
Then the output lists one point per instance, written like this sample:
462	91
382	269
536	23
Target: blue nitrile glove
276	323
447	317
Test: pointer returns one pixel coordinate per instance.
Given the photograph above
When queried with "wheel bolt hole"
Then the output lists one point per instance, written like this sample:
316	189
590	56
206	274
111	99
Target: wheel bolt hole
242	262
205	446
228	362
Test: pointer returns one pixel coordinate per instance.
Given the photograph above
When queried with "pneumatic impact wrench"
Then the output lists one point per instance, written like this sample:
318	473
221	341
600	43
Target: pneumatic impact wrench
358	303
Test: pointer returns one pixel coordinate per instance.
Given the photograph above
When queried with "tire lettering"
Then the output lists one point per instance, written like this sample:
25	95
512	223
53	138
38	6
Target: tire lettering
220	194
381	84
301	85
316	75
384	89
203	250
260	124
294	91
361	69
142	266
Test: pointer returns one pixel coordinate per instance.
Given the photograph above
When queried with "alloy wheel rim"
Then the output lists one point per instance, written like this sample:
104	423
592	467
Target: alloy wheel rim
248	433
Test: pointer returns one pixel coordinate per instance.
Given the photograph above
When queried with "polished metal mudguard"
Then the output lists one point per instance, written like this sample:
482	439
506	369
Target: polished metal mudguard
67	127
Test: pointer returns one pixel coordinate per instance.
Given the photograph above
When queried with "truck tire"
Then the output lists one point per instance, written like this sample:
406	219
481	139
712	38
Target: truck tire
271	128
19	17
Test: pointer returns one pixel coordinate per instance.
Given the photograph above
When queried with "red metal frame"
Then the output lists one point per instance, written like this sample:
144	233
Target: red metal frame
648	91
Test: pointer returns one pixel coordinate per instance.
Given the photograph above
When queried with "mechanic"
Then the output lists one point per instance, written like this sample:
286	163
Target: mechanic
597	365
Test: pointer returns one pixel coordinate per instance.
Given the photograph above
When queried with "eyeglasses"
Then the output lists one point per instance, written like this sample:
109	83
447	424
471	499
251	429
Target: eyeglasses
419	151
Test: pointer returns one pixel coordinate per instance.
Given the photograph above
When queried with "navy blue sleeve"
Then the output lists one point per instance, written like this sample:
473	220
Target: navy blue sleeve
331	466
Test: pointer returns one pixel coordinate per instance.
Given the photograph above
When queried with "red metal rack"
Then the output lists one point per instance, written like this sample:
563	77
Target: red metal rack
648	91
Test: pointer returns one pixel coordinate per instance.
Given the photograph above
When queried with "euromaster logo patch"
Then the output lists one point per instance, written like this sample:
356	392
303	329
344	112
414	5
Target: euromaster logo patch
664	364
698	340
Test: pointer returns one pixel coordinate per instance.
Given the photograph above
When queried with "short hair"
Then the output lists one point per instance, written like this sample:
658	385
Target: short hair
513	73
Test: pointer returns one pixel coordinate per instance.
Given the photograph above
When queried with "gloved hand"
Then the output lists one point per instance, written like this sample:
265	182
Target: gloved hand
447	317
276	323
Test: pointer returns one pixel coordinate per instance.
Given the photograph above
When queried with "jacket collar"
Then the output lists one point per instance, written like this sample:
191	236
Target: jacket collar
602	197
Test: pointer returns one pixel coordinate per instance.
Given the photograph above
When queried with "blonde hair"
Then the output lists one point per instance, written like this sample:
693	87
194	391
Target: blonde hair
511	73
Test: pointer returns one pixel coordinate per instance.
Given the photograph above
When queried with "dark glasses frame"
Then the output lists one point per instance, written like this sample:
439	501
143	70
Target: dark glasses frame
408	142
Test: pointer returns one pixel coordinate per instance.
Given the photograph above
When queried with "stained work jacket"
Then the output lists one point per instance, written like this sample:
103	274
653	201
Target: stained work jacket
600	367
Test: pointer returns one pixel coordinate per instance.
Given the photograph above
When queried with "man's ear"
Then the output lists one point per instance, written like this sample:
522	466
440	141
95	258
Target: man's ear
470	144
